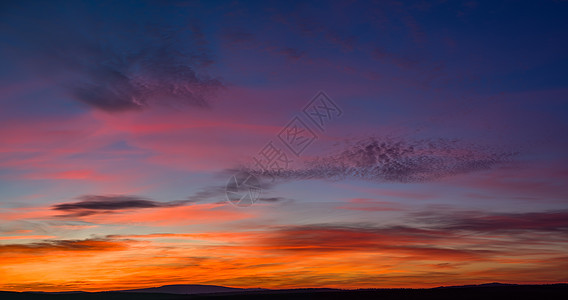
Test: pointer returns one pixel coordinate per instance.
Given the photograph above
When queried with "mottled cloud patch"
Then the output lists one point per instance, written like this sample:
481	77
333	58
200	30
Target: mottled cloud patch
155	72
129	61
396	160
98	204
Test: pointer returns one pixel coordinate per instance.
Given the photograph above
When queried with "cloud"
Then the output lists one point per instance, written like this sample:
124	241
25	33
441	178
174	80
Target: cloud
155	72
422	252
272	199
395	160
429	235
218	194
414	243
26	237
97	204
209	193
125	63
364	204
484	222
65	245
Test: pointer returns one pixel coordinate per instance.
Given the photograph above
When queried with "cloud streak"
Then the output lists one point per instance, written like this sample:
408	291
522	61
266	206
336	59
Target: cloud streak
437	238
549	222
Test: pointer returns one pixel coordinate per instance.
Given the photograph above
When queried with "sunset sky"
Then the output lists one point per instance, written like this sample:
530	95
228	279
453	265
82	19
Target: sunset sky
431	146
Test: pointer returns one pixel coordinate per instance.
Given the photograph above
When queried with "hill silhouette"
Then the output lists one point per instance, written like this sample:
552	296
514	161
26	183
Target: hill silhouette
189	289
484	291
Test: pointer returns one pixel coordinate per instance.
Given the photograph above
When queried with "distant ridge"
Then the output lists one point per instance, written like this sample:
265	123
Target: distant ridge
478	285
488	291
191	289
187	289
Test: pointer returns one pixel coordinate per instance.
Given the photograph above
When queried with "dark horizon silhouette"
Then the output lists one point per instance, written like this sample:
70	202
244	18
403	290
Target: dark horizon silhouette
484	291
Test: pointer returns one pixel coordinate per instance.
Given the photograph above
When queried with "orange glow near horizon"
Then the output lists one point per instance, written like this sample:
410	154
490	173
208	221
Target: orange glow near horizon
278	258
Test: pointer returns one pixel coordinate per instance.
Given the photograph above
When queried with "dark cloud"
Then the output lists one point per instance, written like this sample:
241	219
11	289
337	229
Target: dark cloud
396	160
97	204
116	58
272	199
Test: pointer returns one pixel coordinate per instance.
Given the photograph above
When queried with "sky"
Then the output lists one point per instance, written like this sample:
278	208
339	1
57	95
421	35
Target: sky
282	144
